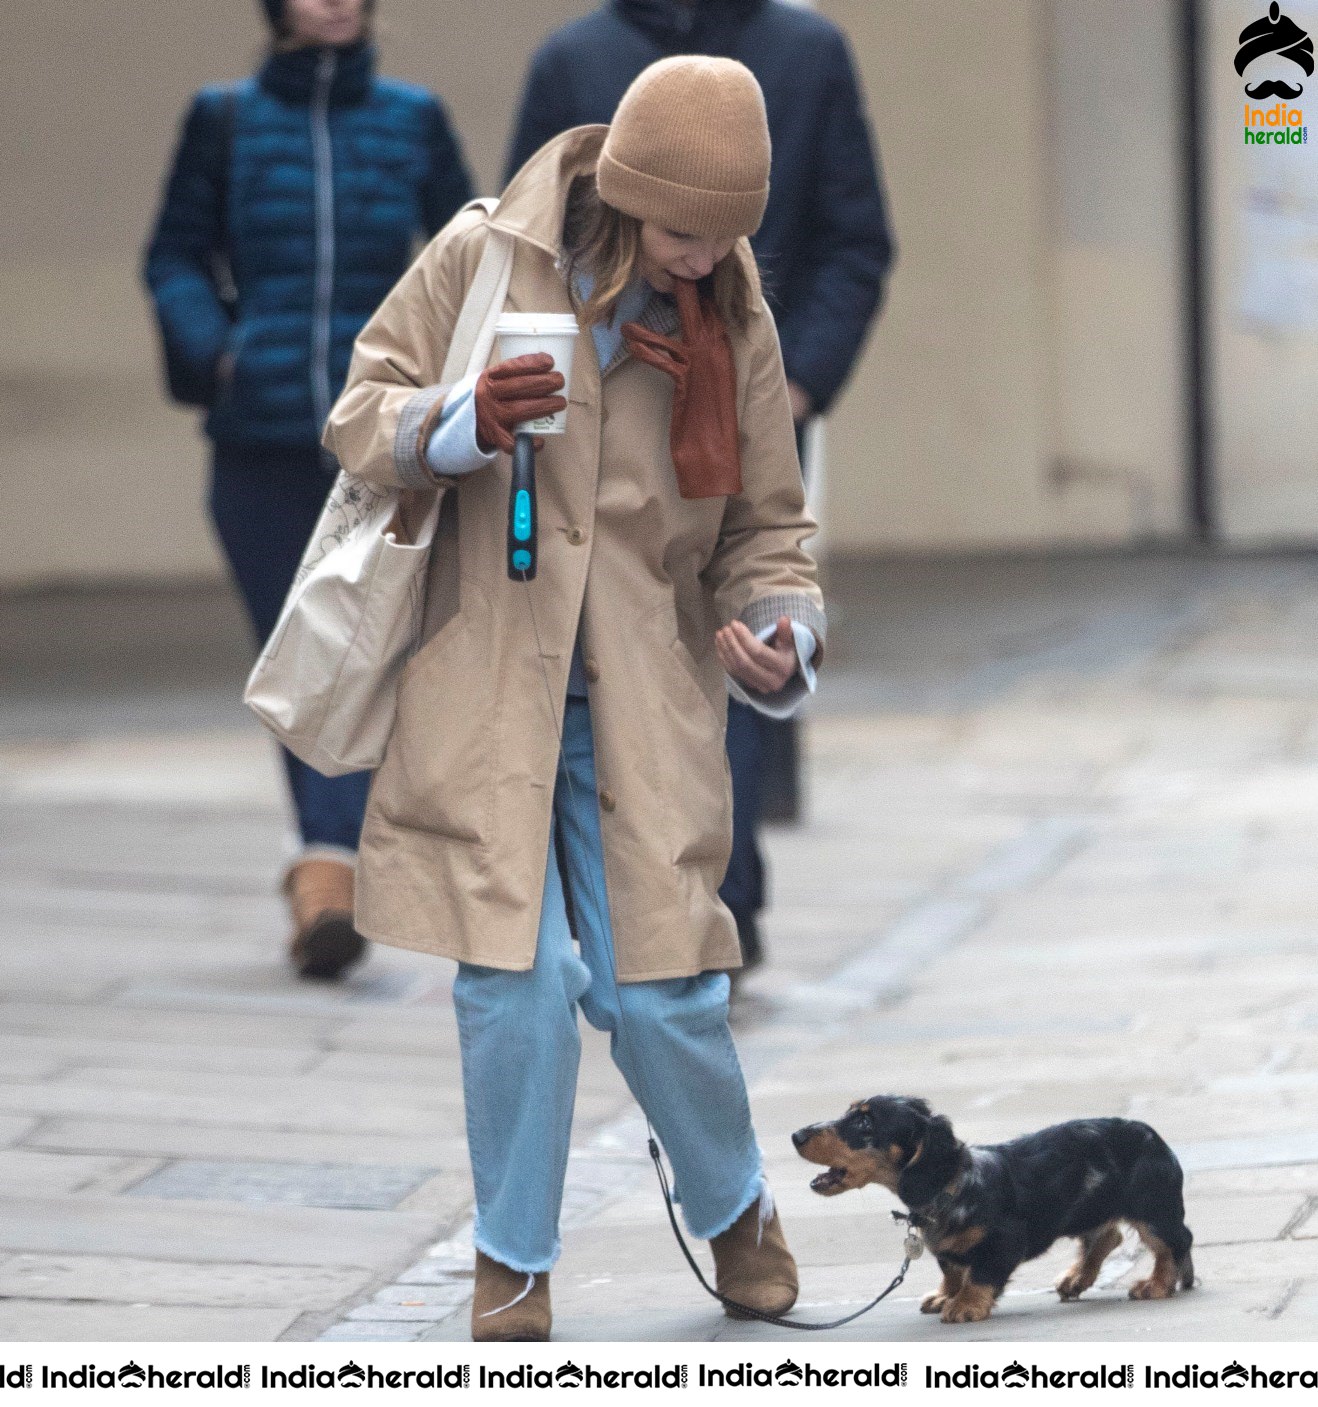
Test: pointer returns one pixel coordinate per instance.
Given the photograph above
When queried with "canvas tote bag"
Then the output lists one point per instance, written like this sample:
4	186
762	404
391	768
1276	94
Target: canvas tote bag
326	682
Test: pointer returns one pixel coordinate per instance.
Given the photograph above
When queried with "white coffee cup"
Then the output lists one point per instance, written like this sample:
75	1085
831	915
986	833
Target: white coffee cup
555	333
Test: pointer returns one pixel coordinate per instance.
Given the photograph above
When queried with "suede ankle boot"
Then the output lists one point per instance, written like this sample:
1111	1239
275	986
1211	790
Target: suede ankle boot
754	1266
503	1310
320	895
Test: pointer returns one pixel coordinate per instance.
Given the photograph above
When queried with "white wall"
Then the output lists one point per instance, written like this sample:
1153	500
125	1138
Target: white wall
1024	386
1264	301
1117	361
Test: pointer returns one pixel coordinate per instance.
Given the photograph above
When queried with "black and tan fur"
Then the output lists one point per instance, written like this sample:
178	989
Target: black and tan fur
987	1209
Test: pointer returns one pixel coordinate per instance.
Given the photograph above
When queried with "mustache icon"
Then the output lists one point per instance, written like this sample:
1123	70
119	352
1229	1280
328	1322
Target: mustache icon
1270	89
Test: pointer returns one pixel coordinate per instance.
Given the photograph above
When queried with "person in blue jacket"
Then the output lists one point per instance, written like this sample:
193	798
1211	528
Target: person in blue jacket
824	249
295	202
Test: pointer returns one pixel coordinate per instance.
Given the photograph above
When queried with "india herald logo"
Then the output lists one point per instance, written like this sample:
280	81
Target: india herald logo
1274	34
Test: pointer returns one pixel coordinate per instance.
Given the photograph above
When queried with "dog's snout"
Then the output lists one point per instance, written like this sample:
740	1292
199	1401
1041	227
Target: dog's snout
802	1136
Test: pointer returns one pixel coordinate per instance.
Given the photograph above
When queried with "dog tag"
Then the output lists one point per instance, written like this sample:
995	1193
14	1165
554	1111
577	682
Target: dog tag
913	1246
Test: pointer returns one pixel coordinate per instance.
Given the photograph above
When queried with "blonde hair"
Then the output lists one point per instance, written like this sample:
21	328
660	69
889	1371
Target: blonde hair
606	243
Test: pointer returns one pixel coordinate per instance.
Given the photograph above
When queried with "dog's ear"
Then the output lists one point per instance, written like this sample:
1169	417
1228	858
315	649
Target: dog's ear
932	1166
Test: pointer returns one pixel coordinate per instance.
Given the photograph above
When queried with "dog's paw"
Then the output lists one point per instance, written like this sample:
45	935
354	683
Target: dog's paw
1071	1286
933	1304
967	1309
1150	1289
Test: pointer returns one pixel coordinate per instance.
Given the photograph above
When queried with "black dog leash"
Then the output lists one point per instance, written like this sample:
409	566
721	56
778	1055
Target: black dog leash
914	1248
522	564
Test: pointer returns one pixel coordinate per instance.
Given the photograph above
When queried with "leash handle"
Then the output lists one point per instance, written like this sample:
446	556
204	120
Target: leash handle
522	518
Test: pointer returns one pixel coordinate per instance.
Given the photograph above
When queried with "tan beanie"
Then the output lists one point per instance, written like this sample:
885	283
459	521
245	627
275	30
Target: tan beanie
688	149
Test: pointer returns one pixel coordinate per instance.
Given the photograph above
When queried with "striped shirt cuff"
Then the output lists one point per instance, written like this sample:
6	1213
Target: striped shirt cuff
420	414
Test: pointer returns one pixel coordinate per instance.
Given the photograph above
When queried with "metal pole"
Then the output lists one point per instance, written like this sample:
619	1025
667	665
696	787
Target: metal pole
1201	488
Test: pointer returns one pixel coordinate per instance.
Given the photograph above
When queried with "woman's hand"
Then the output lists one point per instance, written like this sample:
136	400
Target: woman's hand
761	665
510	393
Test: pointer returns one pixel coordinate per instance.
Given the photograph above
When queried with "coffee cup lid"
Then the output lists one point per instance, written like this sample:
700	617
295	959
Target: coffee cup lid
537	325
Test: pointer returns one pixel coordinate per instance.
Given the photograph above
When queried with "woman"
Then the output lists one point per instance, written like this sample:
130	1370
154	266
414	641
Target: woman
311	181
671	518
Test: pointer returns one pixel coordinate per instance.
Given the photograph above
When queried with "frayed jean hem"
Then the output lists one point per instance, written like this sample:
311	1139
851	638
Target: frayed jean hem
522	1267
758	1190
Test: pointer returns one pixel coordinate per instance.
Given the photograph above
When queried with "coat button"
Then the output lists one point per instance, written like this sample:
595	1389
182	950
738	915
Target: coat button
607	799
592	670
576	536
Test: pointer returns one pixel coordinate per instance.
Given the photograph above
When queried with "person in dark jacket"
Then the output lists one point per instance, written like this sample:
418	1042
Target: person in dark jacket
295	202
824	248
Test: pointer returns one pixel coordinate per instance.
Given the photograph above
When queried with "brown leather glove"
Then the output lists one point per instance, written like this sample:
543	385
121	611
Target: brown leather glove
512	392
703	435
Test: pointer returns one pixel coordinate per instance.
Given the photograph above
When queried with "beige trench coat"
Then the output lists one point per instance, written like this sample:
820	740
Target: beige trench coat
456	837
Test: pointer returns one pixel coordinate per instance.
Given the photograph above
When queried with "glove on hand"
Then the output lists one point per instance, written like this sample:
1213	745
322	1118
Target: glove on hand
512	392
703	435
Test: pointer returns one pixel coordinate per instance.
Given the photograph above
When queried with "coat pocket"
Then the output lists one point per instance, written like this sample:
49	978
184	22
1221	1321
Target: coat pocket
439	771
689	736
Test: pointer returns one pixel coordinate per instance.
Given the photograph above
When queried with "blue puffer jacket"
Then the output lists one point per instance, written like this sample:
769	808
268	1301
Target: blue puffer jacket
825	247
316	178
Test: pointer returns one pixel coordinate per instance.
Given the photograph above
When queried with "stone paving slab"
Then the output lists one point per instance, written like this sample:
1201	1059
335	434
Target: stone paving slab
385	1331
66	1099
32	1065
133	1280
330	1099
284	1184
444	1197
1306	1225
143	909
69	985
62	1053
439	1038
436	1071
421	1304
112	1022
1294	1177
174	1140
1178	1117
26	1172
14	1128
209	1230
46	1321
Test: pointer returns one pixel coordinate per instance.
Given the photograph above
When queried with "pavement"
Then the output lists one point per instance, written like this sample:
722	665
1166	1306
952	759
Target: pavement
1056	859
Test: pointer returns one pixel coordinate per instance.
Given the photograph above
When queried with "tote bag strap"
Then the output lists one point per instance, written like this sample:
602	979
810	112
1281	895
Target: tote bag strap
468	350
473	334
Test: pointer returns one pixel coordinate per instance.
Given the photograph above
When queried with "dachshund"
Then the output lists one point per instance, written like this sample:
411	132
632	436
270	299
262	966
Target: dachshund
987	1209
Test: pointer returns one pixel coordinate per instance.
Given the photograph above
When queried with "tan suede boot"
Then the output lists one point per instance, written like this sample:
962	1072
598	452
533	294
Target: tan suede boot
503	1310
320	895
754	1267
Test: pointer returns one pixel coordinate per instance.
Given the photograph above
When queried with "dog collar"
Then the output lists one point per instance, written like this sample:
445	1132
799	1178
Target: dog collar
922	1218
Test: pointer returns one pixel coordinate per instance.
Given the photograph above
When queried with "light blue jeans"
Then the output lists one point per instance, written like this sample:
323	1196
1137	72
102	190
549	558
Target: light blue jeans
521	1047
